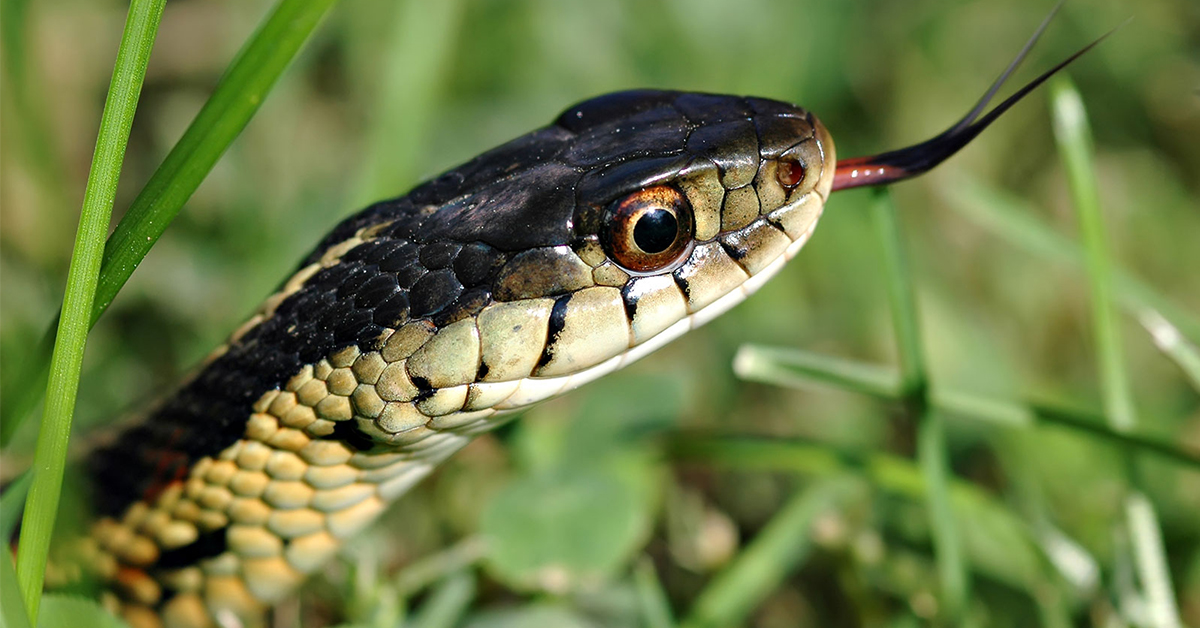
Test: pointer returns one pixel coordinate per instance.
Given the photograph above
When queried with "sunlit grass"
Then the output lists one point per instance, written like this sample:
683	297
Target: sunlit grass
1075	145
421	86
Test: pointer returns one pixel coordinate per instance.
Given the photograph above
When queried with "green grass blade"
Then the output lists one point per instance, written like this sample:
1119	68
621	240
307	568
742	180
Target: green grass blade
1074	140
1000	545
424	38
953	574
234	101
777	550
447	603
13	613
1150	555
427	570
50	456
12	503
796	368
653	606
901	296
1073	134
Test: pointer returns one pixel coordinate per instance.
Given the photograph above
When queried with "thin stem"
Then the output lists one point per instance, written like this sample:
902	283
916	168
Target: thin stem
141	27
429	569
446	604
931	439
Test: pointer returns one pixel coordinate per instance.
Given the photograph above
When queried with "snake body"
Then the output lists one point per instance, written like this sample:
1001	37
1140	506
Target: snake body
423	321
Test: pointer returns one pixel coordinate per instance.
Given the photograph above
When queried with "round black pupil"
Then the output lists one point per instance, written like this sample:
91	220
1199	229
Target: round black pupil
655	231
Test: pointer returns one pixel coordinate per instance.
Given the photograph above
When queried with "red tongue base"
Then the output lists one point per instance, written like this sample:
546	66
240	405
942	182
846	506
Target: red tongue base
857	172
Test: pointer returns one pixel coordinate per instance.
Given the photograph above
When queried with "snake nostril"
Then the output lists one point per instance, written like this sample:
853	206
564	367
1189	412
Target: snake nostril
790	173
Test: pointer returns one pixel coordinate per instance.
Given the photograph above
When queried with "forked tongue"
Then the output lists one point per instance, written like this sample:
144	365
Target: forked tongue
910	161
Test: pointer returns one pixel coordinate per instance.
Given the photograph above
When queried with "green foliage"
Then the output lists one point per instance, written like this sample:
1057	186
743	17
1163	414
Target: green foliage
59	611
578	515
561	531
13	613
235	100
12	502
700	495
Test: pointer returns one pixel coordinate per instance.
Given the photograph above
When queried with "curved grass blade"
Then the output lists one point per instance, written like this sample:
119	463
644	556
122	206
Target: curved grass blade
1013	220
796	368
653	606
235	100
1073	134
50	456
777	550
12	504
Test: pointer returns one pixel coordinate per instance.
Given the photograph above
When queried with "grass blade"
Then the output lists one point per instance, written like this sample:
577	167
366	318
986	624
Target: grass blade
654	608
781	545
1171	342
141	27
1073	134
234	101
1074	140
901	296
13	613
986	522
931	439
424	38
425	571
1012	219
796	368
446	604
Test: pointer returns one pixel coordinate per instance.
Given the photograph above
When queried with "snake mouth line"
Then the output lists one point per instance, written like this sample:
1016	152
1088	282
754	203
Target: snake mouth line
910	161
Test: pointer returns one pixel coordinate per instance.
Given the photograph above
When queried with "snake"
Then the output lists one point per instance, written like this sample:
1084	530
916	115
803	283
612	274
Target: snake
425	320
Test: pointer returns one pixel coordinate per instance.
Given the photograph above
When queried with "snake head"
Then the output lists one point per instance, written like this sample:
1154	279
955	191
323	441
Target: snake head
566	254
654	212
551	260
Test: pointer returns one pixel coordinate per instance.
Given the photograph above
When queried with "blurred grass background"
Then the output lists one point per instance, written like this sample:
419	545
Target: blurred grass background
569	500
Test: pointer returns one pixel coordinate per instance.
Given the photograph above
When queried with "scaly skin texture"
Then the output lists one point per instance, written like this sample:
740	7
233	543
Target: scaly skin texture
425	320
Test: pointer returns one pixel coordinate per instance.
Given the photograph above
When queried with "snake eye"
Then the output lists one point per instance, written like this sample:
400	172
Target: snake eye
648	229
790	173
